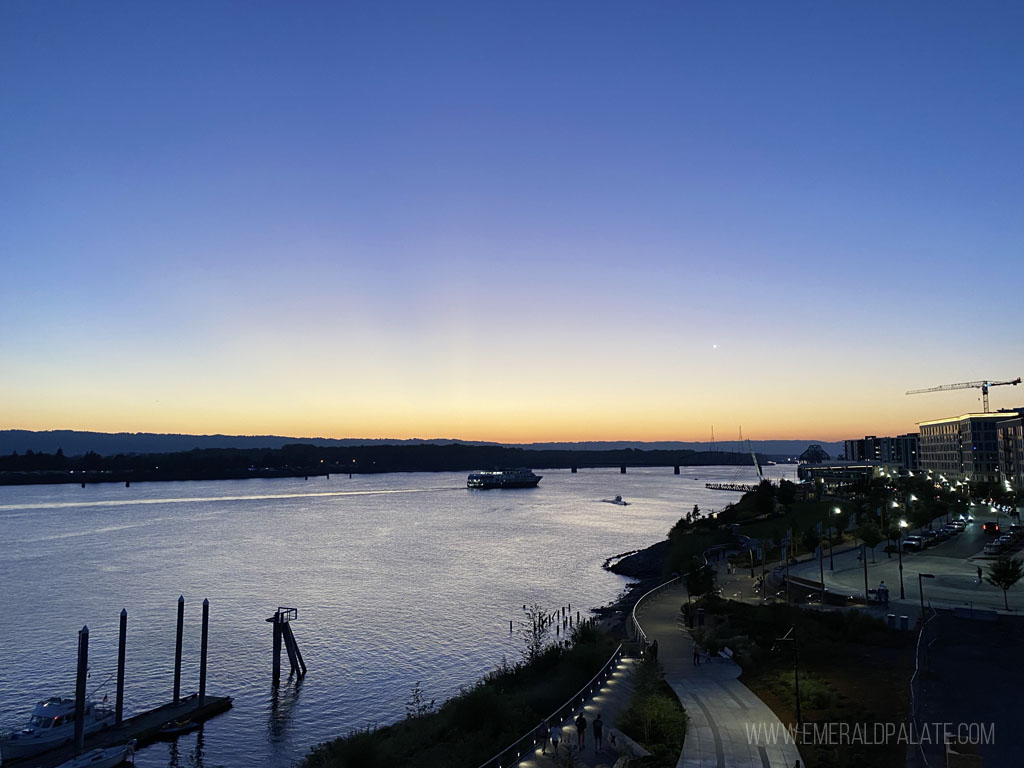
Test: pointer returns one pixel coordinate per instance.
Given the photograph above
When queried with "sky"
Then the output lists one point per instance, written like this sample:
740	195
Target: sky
511	221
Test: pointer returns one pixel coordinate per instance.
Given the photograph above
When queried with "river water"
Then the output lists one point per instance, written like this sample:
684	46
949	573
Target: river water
397	578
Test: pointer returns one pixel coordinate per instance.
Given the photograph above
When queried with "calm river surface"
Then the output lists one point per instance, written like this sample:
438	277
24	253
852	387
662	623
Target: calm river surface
397	578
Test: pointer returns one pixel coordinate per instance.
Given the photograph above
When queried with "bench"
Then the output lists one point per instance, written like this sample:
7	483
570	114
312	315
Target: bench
725	654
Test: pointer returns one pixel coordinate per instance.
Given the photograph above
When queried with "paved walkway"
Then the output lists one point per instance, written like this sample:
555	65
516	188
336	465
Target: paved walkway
610	701
952	584
723	712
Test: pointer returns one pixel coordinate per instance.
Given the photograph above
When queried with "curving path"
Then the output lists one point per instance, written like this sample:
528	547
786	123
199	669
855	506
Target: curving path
727	721
610	701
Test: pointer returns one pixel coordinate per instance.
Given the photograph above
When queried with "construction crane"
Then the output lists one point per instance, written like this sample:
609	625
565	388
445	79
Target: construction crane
982	385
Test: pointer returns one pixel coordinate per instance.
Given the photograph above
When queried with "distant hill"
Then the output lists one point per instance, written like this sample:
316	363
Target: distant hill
776	449
76	443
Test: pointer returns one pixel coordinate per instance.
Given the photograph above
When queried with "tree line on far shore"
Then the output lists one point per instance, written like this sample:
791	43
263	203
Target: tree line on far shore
306	459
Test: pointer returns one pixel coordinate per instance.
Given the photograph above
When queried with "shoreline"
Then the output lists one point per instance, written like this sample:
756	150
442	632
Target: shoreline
646	568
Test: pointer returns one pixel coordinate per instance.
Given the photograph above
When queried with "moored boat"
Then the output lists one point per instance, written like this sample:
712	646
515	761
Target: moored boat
503	478
103	758
176	728
52	724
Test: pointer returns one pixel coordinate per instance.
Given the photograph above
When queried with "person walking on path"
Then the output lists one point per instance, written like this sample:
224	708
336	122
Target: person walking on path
598	726
556	736
543	734
978	580
696	654
581	731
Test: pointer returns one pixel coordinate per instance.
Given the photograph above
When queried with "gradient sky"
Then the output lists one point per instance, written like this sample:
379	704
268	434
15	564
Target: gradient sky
509	221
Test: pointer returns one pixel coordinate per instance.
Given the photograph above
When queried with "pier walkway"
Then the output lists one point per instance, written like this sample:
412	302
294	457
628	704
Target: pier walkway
610	702
725	715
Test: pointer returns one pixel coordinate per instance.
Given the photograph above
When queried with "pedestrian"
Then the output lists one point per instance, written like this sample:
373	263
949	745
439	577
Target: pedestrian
598	726
581	730
978	581
654	651
556	736
696	654
611	739
543	735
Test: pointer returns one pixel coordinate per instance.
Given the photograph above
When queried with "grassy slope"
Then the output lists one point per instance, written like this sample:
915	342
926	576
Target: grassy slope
473	726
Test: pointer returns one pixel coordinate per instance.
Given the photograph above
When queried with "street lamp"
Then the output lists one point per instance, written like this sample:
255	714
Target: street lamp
920	589
831	560
899	553
790	637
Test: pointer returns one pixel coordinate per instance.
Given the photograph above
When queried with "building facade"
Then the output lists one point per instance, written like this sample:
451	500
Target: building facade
900	451
964	447
1010	434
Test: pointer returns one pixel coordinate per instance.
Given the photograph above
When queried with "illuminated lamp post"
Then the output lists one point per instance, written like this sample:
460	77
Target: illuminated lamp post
899	553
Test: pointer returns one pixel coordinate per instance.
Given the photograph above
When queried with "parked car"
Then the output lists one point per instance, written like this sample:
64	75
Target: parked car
930	537
951	529
960	525
913	544
993	548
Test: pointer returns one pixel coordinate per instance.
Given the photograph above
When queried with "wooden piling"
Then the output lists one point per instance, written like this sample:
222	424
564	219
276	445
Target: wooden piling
294	654
675	470
177	649
289	647
122	642
574	470
83	669
277	647
622	469
202	652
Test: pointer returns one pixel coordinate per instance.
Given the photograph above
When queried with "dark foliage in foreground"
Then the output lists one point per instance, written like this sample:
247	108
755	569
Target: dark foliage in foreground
472	727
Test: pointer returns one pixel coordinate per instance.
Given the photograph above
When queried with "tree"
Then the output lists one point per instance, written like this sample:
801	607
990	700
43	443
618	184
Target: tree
700	580
810	539
787	492
1004	573
893	533
534	629
417	705
764	498
870	534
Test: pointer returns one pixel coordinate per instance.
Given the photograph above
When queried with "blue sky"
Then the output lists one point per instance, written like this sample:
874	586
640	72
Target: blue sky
508	220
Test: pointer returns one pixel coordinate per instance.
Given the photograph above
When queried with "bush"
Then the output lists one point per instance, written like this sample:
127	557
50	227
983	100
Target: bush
655	717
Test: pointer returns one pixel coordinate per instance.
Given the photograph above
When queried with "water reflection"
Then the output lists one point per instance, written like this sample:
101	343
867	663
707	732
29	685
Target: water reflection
179	758
283	699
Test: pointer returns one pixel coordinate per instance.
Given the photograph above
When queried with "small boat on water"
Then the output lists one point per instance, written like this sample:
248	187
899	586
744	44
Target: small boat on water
52	724
176	728
617	500
503	478
104	758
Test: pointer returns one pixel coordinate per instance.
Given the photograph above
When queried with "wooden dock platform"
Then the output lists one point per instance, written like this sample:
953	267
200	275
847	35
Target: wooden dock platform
144	728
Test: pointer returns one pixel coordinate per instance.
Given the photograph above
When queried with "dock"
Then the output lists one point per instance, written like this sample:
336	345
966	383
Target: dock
144	728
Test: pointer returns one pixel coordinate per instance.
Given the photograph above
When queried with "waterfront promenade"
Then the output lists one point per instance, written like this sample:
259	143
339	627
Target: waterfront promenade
721	709
611	701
